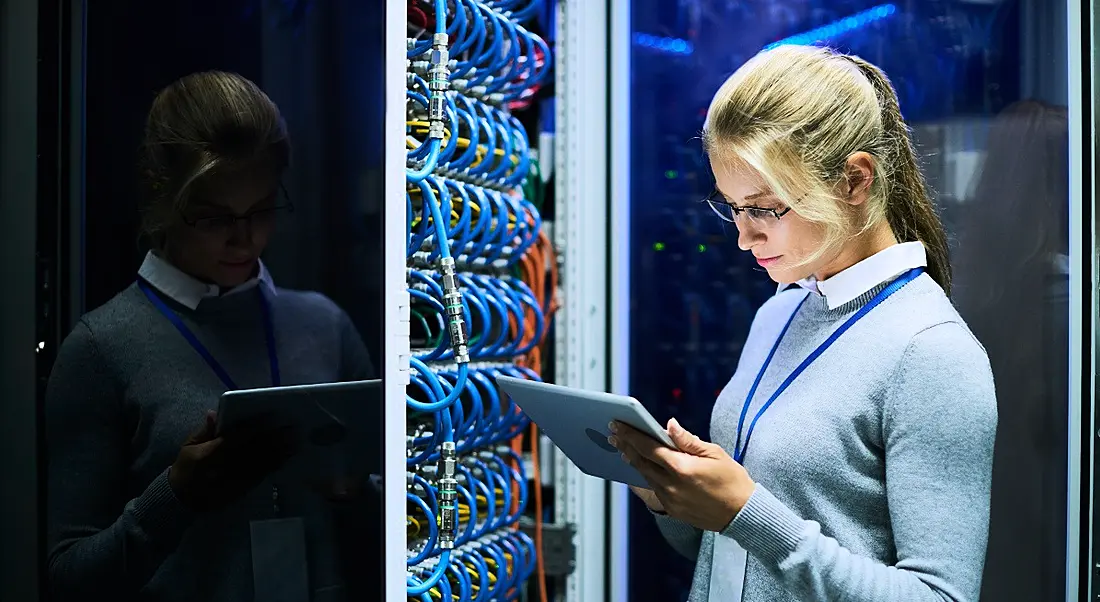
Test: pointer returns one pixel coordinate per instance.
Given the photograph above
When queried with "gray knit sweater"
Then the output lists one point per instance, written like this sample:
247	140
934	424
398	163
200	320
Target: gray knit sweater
125	392
873	468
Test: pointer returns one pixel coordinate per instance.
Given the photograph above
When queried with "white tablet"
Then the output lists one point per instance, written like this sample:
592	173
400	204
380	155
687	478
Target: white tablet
335	424
576	421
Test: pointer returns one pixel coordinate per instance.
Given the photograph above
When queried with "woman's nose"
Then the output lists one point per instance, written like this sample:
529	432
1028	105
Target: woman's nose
241	232
748	236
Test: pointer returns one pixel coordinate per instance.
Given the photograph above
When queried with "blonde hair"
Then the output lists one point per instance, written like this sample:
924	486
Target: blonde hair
796	114
202	124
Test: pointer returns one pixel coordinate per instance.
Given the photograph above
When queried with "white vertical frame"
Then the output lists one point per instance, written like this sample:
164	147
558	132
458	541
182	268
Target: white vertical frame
581	233
1082	298
1093	297
395	356
619	153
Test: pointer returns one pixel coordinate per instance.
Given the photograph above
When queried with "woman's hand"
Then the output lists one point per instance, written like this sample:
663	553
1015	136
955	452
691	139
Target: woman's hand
649	498
213	471
699	483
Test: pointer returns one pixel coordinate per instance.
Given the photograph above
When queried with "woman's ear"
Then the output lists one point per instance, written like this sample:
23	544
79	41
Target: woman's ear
859	171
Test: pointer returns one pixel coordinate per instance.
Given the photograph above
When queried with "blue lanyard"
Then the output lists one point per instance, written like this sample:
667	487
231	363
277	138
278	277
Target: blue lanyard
269	335
893	287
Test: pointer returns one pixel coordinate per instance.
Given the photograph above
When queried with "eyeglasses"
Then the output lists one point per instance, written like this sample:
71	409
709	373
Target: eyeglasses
225	224
758	216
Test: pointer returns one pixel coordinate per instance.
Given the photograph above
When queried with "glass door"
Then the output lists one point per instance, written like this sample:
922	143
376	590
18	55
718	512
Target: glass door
995	100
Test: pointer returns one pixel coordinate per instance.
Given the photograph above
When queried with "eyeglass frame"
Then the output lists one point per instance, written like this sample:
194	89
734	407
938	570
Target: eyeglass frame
233	219
737	211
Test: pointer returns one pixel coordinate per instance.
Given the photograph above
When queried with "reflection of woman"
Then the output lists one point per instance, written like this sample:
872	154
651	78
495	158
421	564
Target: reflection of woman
132	514
853	444
1013	291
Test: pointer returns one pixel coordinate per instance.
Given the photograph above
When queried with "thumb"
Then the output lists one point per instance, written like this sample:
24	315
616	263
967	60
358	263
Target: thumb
207	431
687	442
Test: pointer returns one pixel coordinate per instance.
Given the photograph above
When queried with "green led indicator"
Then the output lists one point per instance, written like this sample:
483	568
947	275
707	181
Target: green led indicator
658	246
702	248
672	174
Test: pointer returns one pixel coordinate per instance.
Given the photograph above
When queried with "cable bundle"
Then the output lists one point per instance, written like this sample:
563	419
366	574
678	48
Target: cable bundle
481	296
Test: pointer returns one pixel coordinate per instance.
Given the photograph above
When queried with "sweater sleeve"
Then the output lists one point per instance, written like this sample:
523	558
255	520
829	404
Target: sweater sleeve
355	360
683	538
939	423
101	545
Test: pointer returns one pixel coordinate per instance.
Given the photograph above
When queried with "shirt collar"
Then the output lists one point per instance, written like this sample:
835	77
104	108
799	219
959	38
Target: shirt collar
189	291
852	282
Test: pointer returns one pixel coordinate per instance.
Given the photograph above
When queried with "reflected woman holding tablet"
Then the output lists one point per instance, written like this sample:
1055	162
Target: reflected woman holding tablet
852	448
146	500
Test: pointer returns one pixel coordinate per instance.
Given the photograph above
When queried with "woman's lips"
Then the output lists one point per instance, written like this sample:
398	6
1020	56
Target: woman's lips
238	264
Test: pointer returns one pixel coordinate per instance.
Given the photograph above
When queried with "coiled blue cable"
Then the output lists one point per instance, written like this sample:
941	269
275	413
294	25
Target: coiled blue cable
486	41
433	531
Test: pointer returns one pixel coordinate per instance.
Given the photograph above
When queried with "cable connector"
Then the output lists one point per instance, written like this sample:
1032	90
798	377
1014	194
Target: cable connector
448	497
438	82
452	302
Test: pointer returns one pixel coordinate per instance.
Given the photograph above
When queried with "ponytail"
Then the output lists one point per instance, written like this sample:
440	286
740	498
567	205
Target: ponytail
909	210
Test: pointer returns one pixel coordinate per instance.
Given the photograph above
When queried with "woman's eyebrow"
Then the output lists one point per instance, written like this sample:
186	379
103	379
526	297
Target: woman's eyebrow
763	194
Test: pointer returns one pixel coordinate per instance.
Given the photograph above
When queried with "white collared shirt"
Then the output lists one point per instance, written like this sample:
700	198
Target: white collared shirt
189	291
853	281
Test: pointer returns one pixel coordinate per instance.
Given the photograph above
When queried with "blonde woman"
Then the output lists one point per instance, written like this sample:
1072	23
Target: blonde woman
853	446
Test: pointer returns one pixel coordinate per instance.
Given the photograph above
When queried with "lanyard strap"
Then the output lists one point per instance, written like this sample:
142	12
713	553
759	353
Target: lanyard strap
173	317
893	287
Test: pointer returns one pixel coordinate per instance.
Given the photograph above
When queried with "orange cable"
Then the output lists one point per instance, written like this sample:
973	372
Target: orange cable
539	270
538	512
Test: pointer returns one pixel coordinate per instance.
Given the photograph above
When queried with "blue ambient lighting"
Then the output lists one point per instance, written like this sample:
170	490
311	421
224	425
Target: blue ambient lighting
669	45
838	28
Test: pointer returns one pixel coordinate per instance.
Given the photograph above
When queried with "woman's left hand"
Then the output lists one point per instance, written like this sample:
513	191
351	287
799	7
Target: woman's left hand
699	484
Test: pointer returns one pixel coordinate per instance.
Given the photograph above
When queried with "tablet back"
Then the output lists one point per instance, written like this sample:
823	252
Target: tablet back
576	421
337	424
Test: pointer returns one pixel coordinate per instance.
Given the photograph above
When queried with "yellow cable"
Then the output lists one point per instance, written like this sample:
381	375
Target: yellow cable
463	143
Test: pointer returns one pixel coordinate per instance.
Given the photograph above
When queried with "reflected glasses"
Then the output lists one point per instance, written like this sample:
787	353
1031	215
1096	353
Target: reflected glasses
224	225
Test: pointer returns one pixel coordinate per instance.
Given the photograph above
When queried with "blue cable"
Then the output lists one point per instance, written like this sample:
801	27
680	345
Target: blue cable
430	163
487	61
417	588
472	134
511	474
463	580
486	39
433	532
424	596
509	547
475	42
482	573
510	58
506	160
483	231
471	524
461	233
503	582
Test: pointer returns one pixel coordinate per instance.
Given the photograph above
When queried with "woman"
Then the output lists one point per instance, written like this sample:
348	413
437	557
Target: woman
132	514
852	447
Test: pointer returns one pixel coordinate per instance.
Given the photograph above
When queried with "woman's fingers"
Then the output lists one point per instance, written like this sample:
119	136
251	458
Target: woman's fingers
654	473
649	448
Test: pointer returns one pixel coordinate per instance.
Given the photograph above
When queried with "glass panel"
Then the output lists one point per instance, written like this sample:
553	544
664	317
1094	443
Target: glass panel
983	86
231	241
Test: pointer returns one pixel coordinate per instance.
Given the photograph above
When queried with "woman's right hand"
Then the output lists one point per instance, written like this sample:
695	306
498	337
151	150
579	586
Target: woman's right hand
212	471
649	498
